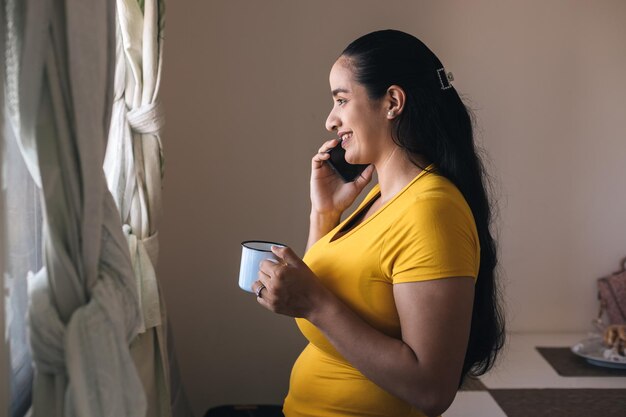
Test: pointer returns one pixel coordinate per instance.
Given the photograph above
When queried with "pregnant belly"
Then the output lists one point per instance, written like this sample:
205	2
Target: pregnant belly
322	385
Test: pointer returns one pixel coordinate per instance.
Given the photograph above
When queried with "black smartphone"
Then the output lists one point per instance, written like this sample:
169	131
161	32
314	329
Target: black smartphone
337	161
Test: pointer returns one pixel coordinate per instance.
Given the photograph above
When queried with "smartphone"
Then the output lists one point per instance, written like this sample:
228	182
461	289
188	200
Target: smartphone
337	161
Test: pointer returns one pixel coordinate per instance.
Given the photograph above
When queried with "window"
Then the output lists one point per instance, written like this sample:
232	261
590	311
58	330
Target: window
23	253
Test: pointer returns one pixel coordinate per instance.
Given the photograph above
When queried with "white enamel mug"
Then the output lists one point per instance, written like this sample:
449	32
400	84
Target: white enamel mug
252	253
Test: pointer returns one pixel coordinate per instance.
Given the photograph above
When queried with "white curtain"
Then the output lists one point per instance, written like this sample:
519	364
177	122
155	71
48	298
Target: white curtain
84	310
134	169
23	241
4	323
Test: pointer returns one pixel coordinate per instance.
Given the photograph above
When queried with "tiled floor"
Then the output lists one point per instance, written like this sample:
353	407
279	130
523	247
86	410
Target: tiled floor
522	367
474	404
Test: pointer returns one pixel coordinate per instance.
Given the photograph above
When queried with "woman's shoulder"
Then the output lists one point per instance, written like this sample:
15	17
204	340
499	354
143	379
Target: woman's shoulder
434	188
433	200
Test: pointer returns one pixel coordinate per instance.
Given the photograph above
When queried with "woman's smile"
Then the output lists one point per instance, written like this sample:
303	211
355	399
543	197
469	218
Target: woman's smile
345	138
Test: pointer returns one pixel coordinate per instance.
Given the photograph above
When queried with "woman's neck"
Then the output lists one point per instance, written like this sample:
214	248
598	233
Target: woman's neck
394	172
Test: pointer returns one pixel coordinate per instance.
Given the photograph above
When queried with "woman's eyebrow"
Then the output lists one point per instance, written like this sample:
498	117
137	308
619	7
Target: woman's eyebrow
340	90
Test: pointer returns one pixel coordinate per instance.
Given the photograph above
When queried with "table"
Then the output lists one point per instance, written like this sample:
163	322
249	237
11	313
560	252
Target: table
523	383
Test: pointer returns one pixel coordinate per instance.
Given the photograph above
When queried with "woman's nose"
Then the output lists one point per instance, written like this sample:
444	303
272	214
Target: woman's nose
332	122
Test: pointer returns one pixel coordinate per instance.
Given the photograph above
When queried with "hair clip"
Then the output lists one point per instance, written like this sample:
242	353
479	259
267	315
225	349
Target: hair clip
445	78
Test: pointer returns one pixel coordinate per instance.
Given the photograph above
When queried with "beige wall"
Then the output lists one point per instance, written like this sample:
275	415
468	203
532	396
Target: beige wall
246	94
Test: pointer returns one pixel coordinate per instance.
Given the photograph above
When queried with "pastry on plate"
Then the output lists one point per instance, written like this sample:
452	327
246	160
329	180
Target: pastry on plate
614	337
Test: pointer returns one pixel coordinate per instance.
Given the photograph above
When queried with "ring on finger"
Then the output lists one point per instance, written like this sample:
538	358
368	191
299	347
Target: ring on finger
258	290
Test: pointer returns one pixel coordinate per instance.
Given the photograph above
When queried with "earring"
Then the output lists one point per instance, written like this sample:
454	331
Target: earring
391	113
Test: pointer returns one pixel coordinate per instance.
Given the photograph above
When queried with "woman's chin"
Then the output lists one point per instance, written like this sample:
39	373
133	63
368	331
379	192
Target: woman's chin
351	159
356	161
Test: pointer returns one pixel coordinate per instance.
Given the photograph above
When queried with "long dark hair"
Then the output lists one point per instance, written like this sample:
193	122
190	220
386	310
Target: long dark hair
437	125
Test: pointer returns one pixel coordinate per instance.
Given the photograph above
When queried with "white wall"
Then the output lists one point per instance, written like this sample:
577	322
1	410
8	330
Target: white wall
246	95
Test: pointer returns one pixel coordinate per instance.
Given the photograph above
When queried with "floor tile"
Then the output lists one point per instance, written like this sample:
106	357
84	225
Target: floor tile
474	404
561	402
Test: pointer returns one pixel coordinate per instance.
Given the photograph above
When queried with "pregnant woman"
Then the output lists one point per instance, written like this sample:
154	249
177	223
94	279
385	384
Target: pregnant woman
399	302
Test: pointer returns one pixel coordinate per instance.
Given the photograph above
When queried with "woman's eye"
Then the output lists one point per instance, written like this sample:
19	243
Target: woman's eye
341	101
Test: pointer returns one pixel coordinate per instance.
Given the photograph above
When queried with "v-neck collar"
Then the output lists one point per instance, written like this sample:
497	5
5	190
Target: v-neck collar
368	204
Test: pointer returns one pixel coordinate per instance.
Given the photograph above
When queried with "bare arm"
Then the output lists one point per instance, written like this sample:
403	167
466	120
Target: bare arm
319	226
424	367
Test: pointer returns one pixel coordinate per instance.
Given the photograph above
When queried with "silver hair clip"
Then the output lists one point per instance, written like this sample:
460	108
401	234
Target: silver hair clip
445	78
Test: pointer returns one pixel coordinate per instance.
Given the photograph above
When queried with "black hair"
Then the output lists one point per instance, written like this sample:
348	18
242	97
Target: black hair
438	126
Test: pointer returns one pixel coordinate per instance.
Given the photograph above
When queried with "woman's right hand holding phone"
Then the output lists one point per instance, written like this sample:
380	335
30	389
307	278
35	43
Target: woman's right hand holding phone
330	195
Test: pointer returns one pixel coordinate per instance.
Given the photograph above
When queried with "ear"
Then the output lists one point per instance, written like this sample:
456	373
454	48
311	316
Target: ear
394	101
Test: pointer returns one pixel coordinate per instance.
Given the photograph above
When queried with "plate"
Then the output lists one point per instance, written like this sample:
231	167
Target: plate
597	354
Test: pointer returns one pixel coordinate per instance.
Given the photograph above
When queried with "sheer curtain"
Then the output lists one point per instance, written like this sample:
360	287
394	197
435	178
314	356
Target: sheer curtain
82	259
5	370
22	232
21	239
83	303
134	169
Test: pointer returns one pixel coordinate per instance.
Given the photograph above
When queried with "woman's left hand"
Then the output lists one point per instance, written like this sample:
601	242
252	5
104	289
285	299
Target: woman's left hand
291	288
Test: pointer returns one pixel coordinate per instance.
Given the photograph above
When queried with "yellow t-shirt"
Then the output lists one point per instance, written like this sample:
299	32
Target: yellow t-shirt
424	232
